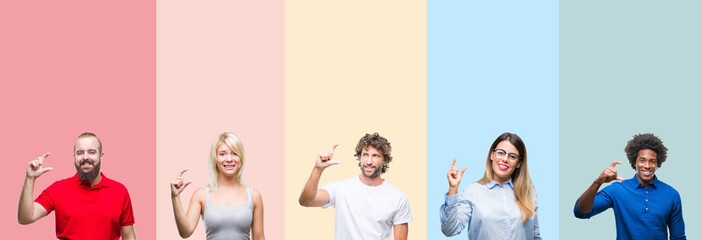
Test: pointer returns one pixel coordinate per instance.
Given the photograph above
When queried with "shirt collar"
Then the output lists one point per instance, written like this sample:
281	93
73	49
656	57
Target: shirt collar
104	182
493	183
636	184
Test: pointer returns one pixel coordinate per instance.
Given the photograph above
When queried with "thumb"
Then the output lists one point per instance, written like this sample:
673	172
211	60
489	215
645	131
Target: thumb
462	171
187	183
46	169
620	178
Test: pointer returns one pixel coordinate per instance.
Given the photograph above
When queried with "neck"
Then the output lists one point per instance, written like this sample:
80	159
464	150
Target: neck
499	180
645	183
225	181
371	181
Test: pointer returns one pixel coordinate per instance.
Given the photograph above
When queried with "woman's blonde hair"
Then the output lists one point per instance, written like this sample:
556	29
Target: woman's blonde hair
524	192
233	142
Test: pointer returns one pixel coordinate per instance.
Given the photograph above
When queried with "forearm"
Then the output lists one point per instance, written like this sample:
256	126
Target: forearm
451	223
309	193
25	209
184	226
587	199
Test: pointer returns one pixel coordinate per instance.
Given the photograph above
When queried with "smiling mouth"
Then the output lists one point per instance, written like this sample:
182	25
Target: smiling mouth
502	167
229	165
646	173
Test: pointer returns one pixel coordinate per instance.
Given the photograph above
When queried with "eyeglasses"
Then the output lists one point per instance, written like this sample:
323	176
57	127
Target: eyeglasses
651	161
501	154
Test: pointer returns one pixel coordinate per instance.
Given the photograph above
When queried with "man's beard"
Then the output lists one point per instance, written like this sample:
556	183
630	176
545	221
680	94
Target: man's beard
91	175
375	173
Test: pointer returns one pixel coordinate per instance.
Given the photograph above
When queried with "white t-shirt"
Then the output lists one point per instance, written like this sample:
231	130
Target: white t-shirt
366	212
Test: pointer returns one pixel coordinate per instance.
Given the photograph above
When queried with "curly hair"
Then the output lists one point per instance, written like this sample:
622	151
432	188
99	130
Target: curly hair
645	141
379	143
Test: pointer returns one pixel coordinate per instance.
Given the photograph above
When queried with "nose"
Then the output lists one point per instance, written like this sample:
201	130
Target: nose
648	164
367	161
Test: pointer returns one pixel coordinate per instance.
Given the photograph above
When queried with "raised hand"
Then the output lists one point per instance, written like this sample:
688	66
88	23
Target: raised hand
454	177
177	185
35	167
609	174
326	159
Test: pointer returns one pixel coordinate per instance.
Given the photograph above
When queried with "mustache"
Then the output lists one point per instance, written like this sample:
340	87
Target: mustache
86	161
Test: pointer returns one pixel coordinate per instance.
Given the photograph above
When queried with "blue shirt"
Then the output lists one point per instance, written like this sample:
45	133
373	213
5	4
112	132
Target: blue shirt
489	211
640	212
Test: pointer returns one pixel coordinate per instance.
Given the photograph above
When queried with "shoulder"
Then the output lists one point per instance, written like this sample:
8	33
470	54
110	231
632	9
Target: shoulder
57	188
343	183
391	189
59	184
115	184
620	184
668	189
199	194
256	196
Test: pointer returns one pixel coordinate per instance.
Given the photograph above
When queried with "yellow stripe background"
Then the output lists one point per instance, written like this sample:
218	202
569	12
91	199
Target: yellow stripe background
354	68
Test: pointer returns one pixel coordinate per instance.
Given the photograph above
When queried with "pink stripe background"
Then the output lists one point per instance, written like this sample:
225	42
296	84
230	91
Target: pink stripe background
72	66
76	66
220	68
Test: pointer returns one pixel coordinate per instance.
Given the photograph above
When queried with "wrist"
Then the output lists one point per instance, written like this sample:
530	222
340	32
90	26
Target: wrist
318	169
453	190
598	182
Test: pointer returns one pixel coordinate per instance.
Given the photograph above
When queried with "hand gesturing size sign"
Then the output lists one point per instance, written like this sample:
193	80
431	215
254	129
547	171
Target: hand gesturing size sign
609	174
35	167
177	185
326	159
454	177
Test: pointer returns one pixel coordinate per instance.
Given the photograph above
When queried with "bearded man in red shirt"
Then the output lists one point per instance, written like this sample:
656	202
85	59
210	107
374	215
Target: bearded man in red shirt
88	205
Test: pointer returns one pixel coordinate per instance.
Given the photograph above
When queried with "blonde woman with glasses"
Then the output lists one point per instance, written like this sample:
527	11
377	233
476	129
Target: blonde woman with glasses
230	209
502	204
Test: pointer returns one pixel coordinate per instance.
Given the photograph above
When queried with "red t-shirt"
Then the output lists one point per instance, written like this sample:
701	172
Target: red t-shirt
84	212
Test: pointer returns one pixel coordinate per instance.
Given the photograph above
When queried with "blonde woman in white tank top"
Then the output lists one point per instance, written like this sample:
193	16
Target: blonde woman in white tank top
229	209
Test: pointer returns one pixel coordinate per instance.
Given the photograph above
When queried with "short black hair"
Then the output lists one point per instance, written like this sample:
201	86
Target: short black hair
645	141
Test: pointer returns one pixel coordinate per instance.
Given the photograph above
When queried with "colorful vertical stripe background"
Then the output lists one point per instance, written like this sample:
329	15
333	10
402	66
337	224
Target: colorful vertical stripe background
159	80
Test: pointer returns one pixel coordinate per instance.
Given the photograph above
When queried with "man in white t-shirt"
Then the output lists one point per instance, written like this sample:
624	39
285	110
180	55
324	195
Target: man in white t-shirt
367	206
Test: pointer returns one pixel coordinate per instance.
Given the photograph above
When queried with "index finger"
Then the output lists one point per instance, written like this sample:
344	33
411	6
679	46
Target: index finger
41	159
334	147
453	164
615	164
181	172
